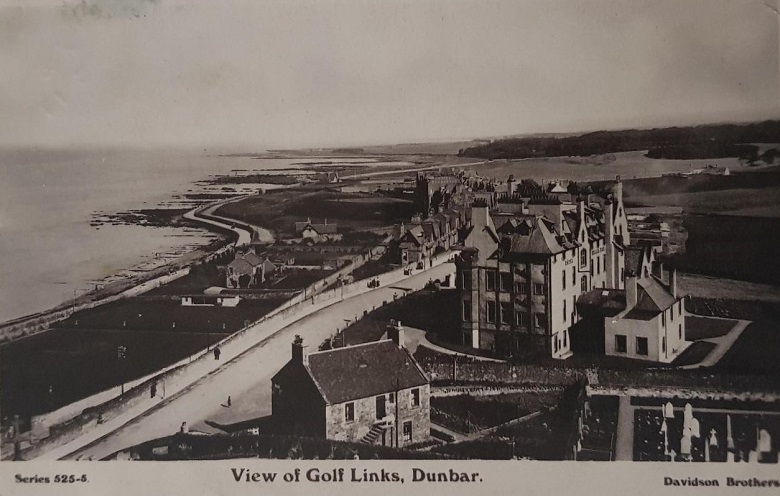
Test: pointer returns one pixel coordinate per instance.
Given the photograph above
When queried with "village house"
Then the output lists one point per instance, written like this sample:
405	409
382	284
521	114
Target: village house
524	265
316	232
373	393
423	239
646	320
247	270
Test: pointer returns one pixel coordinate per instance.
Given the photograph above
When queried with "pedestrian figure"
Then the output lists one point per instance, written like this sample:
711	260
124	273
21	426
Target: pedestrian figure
184	429
154	389
217	352
230	402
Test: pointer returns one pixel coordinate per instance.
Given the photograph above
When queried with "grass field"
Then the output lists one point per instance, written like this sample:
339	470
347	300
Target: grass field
695	353
697	328
76	363
627	165
755	352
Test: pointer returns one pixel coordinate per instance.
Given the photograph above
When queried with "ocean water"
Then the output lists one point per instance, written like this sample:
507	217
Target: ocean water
49	252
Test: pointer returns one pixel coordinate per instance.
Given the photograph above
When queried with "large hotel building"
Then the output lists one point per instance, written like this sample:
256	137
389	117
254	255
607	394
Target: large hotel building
544	259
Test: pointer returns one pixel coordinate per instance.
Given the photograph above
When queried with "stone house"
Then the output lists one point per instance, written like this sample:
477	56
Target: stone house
246	270
525	264
373	393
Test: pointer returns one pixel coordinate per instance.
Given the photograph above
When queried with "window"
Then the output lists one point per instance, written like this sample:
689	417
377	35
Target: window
520	287
563	280
671	314
391	398
641	346
621	344
466	310
565	335
540	320
349	412
407	431
645	272
538	289
584	284
555	344
491	311
598	265
663	344
506	281
465	279
490	281
415	398
663	319
521	318
564	310
622	274
573	276
583	257
506	313
679	332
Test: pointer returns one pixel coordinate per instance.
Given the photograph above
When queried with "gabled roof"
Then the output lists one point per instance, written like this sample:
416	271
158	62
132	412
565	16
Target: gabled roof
536	236
354	372
652	296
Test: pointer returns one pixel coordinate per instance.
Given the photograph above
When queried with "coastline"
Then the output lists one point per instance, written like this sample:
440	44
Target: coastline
116	287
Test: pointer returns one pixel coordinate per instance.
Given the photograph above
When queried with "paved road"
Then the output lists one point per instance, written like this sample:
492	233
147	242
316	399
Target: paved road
247	378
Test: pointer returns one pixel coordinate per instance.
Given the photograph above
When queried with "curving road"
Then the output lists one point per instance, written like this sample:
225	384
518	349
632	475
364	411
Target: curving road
247	378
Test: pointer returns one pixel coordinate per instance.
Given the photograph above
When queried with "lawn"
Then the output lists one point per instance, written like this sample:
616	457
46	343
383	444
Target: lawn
466	413
756	351
146	315
77	363
697	328
695	353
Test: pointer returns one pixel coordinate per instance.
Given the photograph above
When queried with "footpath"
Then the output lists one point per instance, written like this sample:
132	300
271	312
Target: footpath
231	348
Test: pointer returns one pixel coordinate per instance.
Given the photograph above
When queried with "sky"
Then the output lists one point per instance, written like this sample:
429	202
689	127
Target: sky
298	73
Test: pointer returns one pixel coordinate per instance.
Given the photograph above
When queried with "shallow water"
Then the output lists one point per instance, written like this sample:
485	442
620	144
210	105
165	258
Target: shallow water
48	250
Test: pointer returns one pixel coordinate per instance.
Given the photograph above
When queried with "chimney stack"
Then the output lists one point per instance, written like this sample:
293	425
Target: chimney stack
396	333
299	351
617	190
673	282
631	296
479	214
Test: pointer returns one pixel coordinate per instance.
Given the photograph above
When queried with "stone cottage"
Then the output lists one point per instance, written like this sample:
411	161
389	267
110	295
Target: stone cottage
373	393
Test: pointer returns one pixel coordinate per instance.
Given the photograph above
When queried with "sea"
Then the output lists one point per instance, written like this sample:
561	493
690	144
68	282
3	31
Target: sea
51	249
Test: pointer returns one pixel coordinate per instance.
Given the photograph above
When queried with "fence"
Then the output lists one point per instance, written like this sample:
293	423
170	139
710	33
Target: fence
71	421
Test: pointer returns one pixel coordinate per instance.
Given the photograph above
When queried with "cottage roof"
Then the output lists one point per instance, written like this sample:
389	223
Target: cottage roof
652	296
607	302
361	371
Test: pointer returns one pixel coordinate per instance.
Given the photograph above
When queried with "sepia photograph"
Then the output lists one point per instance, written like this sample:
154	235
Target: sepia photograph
398	238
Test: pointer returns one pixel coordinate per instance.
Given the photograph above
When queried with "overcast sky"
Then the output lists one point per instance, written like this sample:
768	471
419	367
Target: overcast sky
318	73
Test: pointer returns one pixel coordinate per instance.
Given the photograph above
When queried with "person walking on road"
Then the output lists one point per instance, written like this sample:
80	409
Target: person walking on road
217	352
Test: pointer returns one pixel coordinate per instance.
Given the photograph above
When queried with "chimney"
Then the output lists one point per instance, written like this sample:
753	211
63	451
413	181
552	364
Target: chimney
510	185
617	190
581	212
673	282
631	291
299	351
479	214
396	333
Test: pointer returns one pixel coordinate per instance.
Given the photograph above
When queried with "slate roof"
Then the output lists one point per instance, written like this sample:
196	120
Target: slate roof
652	296
361	371
607	302
634	256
